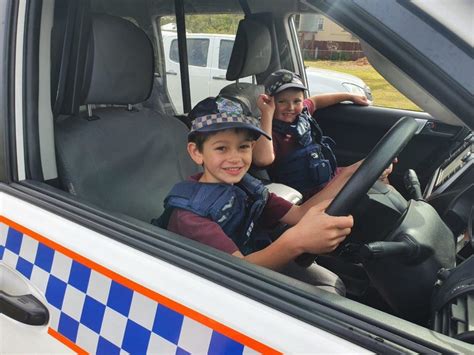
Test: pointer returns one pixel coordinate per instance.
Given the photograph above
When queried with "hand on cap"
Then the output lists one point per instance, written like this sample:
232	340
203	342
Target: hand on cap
266	104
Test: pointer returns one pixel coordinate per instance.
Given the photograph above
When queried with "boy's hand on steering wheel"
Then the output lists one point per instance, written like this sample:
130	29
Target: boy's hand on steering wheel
319	233
387	172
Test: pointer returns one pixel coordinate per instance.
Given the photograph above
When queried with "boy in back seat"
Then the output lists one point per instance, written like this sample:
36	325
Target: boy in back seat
299	155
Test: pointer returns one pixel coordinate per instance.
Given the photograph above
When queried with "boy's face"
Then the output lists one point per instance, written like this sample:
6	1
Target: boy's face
288	105
226	156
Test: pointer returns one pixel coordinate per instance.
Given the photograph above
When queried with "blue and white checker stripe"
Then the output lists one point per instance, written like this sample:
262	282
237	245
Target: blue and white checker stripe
102	316
209	120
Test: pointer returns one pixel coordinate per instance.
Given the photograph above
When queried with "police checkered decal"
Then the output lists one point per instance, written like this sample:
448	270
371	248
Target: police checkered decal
102	316
209	120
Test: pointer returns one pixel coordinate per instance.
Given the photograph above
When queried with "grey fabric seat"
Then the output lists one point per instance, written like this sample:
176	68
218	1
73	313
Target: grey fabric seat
120	158
251	55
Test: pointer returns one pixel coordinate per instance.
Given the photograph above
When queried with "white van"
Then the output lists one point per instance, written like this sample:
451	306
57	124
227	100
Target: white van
208	59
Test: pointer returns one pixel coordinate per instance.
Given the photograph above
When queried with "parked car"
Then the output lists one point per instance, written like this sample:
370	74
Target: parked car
208	58
88	154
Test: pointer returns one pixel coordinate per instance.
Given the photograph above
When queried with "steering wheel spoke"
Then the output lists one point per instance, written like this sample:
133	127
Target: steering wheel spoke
389	146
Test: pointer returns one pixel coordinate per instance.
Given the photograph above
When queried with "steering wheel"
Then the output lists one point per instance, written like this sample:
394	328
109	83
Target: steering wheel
388	147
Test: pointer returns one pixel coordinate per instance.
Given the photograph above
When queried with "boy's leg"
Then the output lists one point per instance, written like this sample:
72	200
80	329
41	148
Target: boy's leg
317	276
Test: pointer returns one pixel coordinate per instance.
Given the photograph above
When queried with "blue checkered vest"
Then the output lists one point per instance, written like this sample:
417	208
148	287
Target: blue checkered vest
235	208
313	163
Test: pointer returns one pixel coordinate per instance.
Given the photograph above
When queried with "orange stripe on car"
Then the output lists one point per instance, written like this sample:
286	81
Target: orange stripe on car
186	311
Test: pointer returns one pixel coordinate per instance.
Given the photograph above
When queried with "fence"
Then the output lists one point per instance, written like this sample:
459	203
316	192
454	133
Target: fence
329	54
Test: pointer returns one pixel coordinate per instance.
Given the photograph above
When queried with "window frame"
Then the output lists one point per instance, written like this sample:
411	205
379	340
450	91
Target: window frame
222	40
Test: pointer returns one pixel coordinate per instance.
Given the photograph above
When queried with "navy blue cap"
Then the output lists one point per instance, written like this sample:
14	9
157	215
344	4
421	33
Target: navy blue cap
281	80
219	113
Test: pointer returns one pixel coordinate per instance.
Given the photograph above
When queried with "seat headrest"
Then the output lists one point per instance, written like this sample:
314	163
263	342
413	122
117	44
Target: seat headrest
119	63
252	50
246	94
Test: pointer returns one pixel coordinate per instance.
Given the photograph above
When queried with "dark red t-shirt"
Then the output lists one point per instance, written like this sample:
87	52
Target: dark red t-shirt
208	232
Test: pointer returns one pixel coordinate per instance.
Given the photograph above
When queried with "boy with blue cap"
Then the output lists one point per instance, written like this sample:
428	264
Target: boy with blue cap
226	208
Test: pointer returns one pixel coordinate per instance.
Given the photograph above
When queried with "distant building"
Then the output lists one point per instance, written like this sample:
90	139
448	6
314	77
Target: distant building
322	38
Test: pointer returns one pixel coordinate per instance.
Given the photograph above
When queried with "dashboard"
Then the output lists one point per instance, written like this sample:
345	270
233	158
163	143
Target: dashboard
454	170
451	192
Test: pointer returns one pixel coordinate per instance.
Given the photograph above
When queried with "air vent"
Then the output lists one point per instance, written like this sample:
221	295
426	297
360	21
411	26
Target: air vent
456	318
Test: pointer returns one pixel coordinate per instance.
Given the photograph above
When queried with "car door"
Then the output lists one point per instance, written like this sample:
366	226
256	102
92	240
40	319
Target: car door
199	61
220	61
23	317
87	281
173	77
112	284
103	296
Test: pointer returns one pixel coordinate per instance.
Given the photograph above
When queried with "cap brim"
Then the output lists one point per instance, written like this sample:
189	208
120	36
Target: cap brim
229	125
288	86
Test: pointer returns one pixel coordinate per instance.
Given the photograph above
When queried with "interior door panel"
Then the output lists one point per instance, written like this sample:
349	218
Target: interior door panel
357	130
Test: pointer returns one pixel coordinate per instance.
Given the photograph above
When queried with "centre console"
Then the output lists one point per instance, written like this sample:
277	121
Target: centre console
454	170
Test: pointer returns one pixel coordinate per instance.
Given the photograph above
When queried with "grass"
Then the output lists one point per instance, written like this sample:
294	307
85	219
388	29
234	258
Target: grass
383	93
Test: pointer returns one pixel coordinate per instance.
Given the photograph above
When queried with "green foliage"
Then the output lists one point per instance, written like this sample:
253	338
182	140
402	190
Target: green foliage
334	55
223	24
345	56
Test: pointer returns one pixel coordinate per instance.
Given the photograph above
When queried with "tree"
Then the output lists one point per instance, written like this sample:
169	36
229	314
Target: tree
225	24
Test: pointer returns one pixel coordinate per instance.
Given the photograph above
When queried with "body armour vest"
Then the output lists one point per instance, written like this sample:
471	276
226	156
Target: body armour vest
313	163
236	208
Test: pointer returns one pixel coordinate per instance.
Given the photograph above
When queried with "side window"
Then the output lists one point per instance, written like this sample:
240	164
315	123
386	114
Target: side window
210	39
174	55
225	50
197	51
320	23
326	45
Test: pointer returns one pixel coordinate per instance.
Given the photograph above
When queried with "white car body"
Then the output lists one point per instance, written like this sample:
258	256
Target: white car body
322	81
208	80
151	284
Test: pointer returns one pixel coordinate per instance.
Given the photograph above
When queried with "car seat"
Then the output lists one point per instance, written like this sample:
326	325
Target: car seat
119	157
252	55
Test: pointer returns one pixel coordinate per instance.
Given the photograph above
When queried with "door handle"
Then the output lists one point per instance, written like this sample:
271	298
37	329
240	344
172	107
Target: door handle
219	77
26	309
171	73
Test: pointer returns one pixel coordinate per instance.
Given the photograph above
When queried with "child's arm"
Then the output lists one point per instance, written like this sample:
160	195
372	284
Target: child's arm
316	233
327	193
325	100
263	154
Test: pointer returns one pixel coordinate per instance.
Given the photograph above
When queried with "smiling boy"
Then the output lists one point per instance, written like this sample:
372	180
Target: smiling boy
300	155
226	208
